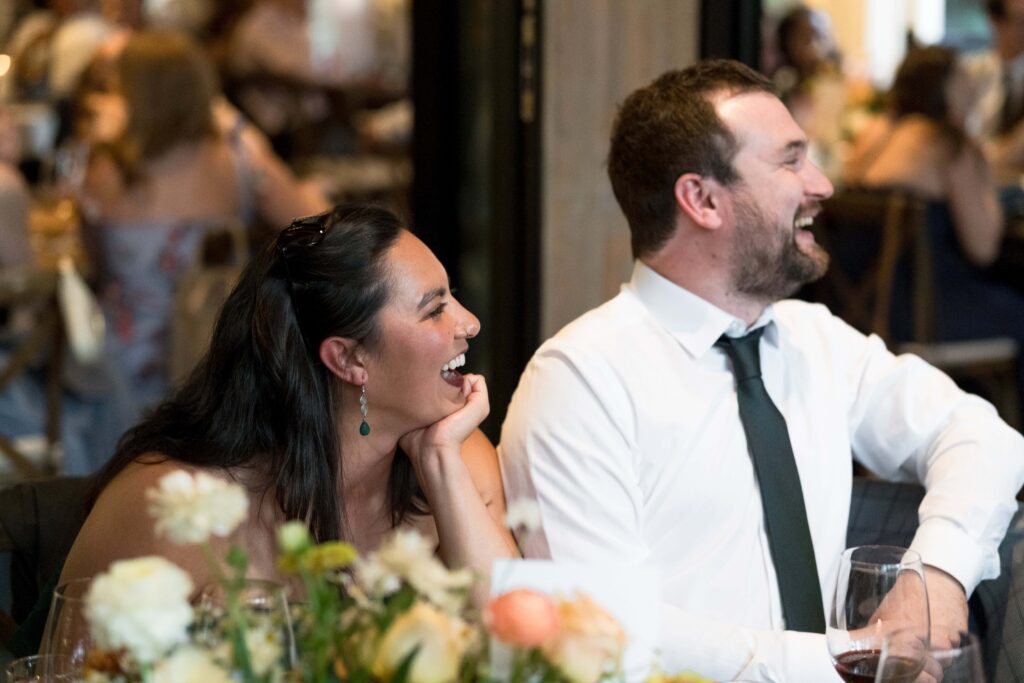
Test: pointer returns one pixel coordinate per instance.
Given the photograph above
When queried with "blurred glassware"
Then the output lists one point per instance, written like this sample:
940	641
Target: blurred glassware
263	607
66	639
31	669
958	663
879	589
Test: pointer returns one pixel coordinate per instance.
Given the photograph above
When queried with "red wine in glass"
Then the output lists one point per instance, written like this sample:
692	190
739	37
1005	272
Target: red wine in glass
861	666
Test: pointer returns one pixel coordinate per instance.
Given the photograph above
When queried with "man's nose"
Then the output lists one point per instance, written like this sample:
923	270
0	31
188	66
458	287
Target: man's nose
816	183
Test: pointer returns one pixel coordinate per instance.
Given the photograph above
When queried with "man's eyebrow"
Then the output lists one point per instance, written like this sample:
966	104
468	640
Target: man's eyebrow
431	295
795	146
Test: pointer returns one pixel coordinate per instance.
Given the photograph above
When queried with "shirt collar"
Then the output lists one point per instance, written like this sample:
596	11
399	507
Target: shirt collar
695	323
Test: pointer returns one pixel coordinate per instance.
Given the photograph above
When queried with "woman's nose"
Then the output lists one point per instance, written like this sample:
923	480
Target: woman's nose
470	324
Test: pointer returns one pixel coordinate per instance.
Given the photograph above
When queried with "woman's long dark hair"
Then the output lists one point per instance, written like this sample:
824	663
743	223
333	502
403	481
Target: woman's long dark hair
920	88
261	399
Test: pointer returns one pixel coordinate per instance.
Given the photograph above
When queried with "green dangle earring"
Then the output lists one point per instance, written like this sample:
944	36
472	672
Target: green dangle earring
364	426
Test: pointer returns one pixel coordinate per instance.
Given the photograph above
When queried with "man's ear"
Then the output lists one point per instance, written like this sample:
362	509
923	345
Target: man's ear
344	358
700	199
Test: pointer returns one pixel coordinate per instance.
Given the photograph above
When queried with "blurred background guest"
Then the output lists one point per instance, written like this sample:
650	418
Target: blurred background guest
813	84
998	73
162	175
301	70
15	251
921	146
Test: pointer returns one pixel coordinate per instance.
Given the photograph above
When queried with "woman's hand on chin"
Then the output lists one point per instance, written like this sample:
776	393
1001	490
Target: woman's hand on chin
448	433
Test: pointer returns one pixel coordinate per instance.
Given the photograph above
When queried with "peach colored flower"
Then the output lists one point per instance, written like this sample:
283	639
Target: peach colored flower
589	643
522	618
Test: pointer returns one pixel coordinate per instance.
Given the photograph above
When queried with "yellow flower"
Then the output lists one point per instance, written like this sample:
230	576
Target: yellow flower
328	556
439	639
589	643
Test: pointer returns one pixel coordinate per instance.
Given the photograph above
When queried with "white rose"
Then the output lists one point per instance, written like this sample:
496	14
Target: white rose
441	640
190	509
189	665
140	605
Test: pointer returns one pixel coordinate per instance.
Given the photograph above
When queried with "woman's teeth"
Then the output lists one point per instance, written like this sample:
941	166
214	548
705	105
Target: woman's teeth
454	363
805	222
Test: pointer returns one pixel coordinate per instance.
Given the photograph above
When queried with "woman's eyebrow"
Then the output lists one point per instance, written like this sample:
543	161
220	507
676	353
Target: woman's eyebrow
431	295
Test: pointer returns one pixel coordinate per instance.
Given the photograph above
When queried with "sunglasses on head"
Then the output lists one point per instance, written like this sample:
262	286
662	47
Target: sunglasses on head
304	232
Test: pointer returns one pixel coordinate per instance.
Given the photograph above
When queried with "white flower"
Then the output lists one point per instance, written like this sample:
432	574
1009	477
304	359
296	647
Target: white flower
189	665
140	605
407	556
190	509
523	513
293	537
376	578
265	649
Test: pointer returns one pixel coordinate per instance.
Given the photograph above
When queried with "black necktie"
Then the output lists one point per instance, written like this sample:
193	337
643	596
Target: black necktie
785	516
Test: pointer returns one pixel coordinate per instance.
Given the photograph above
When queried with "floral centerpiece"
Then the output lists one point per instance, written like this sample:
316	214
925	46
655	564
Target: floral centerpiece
397	615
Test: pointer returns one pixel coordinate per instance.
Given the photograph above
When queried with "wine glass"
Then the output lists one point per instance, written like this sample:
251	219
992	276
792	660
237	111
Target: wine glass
262	607
66	639
30	670
958	663
879	590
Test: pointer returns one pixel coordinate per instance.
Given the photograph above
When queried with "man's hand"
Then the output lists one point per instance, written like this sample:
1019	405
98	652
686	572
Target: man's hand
947	602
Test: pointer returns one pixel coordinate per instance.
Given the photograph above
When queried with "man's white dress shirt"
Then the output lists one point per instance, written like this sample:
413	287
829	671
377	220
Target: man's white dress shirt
626	431
990	76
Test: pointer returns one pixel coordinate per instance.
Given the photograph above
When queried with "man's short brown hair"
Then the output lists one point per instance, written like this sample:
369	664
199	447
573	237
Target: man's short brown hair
669	128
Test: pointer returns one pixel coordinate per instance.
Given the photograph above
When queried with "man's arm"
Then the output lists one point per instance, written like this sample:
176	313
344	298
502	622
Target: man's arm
910	422
568	443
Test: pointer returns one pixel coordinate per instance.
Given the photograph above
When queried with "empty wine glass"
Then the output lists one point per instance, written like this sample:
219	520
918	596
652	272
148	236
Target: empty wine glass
879	590
66	638
958	663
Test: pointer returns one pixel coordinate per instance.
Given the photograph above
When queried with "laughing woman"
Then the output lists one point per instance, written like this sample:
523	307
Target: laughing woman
344	306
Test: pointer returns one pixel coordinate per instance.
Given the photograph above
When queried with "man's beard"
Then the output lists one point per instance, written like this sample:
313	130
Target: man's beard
768	265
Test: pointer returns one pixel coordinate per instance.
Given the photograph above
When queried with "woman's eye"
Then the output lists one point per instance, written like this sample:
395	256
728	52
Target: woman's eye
436	313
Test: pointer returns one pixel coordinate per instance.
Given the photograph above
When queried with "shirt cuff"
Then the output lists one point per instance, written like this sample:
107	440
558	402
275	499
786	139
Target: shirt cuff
945	545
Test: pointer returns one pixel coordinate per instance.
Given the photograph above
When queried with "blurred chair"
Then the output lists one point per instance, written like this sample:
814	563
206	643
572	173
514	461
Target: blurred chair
885	513
38	524
34	292
874	237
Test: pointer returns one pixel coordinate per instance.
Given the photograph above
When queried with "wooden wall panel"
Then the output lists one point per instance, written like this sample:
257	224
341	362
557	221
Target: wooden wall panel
595	52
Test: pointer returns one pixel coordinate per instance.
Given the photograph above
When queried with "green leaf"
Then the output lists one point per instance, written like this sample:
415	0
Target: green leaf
401	674
237	559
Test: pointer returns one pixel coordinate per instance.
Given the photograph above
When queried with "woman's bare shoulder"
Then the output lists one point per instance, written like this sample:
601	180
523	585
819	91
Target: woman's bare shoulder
119	525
